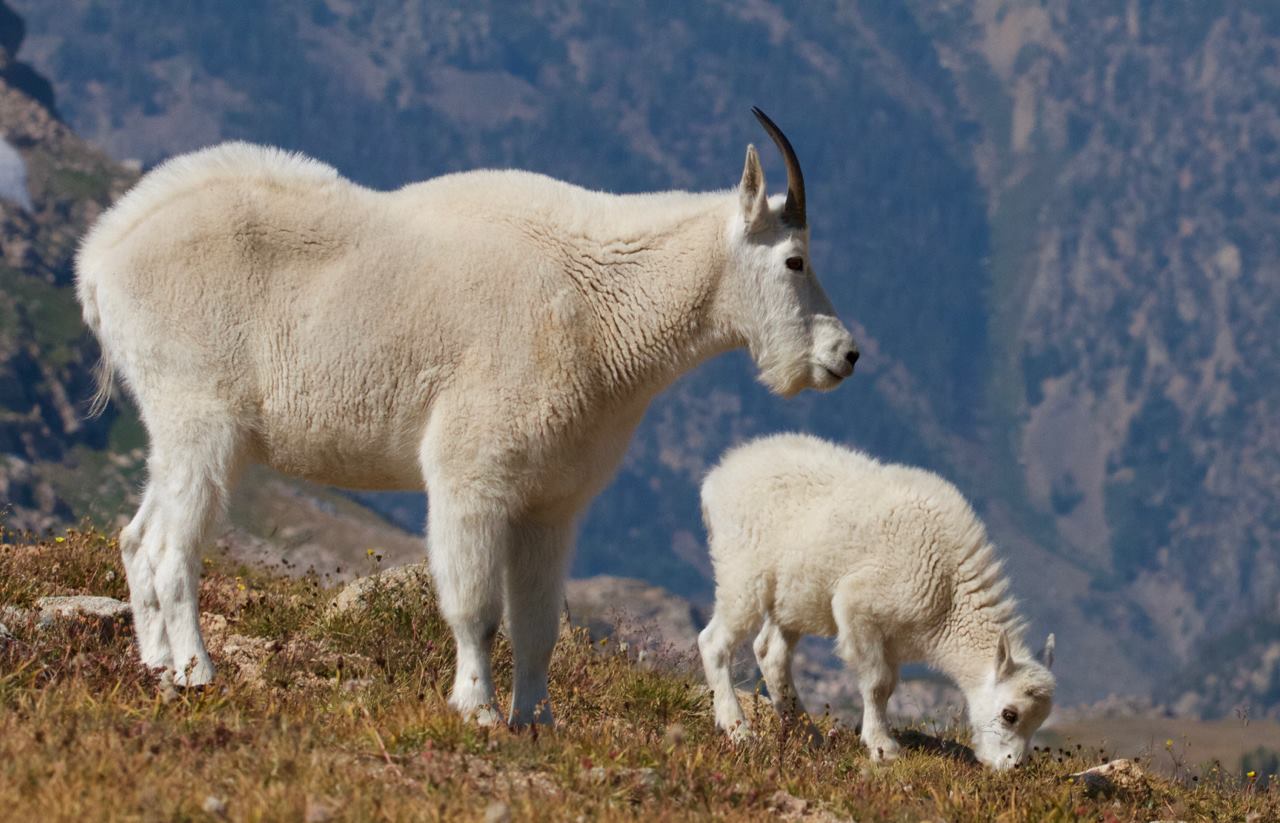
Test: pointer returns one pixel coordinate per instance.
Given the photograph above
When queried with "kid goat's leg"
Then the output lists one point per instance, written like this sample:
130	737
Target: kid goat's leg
862	646
774	649
728	627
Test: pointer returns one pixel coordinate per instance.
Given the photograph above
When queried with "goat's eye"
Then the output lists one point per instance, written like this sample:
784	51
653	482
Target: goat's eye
795	263
1010	716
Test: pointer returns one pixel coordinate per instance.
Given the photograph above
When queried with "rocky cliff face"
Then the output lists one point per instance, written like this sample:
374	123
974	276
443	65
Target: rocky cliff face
1053	224
56	184
1134	180
58	465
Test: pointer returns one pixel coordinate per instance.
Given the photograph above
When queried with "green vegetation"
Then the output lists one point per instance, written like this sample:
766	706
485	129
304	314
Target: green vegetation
51	314
94	483
81	185
317	711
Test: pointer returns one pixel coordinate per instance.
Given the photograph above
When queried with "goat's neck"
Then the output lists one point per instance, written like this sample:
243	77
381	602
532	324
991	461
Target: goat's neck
654	294
965	650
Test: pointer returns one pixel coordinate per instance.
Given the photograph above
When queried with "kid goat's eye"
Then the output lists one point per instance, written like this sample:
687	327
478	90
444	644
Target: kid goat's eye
795	263
1010	716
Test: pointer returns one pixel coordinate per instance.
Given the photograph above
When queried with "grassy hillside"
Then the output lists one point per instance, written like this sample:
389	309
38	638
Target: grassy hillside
320	715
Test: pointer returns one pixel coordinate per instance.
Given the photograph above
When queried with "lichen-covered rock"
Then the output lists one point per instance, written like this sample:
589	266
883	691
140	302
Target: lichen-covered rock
355	593
1108	777
106	608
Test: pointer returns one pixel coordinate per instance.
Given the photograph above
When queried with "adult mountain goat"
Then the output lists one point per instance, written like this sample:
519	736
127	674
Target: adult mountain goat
494	335
811	538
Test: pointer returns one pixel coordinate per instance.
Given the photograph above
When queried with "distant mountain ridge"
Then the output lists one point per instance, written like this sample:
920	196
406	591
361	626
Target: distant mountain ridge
57	464
1053	225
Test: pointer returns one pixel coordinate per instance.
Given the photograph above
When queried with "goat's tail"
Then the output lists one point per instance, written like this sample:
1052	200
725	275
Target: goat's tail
104	373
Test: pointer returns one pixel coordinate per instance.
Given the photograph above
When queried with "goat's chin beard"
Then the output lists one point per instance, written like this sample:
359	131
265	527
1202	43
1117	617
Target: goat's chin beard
786	379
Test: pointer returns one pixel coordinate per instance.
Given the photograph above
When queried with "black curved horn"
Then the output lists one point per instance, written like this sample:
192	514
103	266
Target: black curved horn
793	213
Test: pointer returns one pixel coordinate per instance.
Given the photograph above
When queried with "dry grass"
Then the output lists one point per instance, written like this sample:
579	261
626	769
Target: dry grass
318	717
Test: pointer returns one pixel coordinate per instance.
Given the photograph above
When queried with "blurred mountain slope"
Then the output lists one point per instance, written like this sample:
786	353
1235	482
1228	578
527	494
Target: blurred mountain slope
58	465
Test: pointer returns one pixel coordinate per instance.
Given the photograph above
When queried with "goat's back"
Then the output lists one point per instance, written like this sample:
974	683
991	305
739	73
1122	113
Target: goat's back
804	513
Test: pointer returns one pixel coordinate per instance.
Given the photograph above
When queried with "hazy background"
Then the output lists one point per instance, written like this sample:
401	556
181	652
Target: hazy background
1053	226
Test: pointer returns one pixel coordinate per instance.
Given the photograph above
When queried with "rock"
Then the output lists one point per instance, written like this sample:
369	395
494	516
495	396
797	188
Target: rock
317	811
645	778
785	804
103	608
353	594
497	812
13	614
648	618
215	806
5	634
1108	777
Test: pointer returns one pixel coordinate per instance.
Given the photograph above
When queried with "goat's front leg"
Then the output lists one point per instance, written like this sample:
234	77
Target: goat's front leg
876	681
862	647
535	592
466	545
716	644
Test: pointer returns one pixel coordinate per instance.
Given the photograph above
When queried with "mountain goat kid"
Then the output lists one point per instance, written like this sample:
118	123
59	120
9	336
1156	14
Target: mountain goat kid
810	538
492	336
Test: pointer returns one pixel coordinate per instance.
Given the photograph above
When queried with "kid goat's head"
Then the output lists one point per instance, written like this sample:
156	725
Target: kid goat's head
774	299
1015	700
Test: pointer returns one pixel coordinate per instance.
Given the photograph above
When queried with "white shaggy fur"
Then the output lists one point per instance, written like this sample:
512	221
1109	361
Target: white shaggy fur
811	538
494	335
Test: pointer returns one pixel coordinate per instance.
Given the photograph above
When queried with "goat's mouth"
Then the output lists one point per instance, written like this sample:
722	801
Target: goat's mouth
825	378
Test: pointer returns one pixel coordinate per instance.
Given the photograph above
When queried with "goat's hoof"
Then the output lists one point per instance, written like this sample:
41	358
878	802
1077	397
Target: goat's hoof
194	677
540	716
485	715
474	708
882	751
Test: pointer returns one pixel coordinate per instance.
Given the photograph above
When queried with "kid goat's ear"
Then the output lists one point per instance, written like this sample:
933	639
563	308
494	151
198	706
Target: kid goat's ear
752	193
1004	657
1046	656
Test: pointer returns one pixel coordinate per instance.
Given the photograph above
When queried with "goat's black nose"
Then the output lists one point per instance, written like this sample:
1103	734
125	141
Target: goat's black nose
852	356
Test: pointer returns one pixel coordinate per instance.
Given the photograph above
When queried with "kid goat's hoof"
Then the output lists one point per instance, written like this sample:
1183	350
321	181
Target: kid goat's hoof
885	751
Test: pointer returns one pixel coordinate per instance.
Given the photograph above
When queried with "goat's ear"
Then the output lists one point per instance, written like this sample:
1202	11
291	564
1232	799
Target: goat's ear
752	192
1004	657
1046	656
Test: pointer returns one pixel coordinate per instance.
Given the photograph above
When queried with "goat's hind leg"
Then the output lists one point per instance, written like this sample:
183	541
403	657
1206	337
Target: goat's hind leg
774	648
191	465
148	622
728	627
